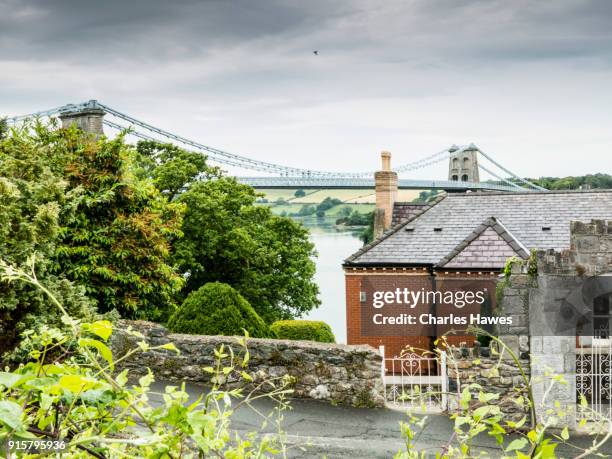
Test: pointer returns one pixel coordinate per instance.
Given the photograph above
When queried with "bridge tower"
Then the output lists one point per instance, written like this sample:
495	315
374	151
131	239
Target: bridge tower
385	182
88	119
463	165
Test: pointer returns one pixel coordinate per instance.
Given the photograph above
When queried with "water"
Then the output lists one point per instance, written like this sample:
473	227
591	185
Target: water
333	246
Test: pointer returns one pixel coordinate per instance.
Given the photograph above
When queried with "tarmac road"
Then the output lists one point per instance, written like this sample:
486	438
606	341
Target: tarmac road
317	430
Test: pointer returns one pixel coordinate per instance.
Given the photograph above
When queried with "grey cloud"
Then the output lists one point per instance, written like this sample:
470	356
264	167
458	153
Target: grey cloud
397	74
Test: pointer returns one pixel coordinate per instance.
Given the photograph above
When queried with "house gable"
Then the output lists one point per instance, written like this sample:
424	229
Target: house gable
488	246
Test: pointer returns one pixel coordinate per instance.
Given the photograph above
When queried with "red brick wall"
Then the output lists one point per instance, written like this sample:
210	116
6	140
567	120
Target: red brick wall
417	278
393	344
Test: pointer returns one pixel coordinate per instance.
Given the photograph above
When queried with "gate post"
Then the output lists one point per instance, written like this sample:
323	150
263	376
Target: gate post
381	349
444	381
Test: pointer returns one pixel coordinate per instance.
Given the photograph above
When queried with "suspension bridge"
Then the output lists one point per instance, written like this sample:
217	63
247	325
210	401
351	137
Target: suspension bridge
498	178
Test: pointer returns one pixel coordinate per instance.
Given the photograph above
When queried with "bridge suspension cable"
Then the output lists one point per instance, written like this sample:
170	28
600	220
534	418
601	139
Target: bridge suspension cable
244	162
512	174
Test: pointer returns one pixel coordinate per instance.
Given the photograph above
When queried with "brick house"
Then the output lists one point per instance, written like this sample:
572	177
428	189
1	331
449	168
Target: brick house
458	237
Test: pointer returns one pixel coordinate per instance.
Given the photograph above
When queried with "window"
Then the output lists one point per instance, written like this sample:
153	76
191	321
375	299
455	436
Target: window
455	178
464	178
466	162
455	163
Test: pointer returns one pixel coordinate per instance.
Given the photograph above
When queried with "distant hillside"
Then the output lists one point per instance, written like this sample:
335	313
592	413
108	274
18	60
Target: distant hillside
591	181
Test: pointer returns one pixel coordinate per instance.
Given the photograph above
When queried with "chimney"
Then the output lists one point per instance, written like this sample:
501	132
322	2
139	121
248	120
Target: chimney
88	119
386	194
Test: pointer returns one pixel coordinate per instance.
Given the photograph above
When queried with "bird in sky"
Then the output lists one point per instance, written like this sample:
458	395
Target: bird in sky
315	52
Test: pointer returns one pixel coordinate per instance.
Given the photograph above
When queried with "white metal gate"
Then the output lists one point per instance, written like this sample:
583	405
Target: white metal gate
414	381
593	378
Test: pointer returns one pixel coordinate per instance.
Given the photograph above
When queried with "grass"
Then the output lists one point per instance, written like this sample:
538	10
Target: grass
348	196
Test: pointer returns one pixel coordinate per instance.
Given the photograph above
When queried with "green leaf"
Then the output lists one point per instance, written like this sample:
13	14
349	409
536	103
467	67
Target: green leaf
533	436
517	444
8	380
146	380
74	383
487	397
102	328
11	415
565	433
170	347
102	348
122	378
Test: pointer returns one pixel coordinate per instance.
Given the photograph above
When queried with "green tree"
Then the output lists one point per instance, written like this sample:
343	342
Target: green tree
227	238
217	309
117	241
328	203
346	211
3	128
171	168
33	201
306	210
299	193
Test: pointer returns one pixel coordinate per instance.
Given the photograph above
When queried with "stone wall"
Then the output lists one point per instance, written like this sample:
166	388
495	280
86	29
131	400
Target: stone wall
559	274
340	374
496	375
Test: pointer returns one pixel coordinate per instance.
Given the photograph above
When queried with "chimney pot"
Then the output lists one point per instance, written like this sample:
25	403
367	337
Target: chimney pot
386	160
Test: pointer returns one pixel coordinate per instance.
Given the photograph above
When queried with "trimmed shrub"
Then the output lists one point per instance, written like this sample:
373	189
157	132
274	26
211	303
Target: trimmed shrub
217	309
309	330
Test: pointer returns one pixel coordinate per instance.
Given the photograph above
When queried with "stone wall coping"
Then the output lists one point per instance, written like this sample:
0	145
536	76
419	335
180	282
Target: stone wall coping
147	327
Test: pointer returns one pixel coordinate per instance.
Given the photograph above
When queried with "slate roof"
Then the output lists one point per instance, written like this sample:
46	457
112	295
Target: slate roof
405	210
429	237
488	246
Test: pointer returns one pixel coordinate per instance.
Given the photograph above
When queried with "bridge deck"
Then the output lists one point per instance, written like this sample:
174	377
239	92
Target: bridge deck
365	183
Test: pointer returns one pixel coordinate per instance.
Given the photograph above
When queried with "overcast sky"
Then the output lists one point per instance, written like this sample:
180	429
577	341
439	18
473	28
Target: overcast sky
530	82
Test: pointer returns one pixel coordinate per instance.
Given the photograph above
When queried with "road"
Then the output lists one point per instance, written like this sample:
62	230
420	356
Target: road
317	430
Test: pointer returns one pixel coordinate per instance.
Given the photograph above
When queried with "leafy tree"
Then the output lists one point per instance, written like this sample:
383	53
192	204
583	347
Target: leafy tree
227	238
299	193
345	211
171	168
328	203
306	210
33	201
355	219
3	128
367	234
217	309
117	241
426	196
75	203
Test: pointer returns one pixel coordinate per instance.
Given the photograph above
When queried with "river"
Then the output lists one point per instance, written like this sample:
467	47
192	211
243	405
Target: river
333	246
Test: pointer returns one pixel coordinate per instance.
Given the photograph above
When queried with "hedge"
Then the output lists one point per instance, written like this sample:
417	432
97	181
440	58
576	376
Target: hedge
309	330
218	309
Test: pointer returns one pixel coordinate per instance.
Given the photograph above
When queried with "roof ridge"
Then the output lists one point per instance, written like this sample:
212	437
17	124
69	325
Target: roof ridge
393	229
497	226
535	193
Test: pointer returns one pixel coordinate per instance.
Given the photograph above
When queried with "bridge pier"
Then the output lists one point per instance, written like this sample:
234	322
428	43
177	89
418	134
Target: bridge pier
89	119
